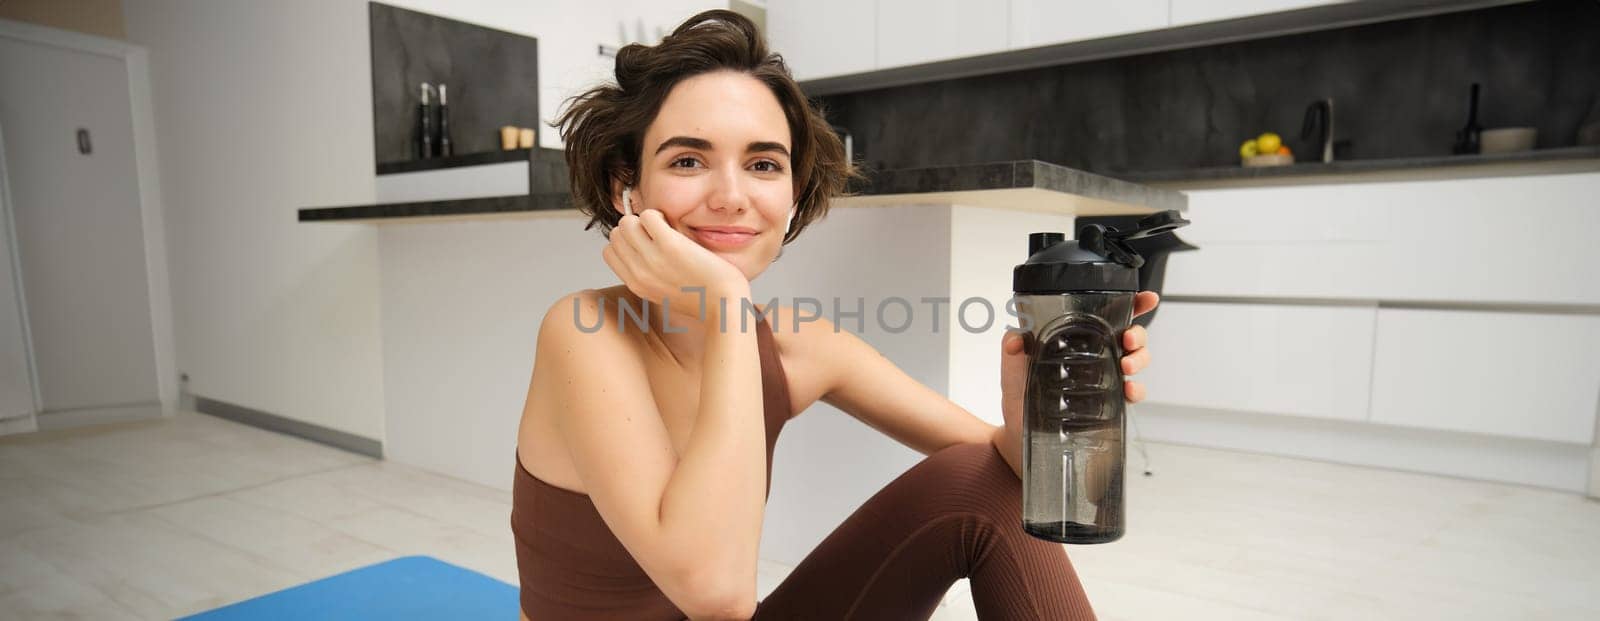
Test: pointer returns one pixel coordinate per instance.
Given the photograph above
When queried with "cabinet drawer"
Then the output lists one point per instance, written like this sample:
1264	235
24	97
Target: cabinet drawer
1299	360
1524	375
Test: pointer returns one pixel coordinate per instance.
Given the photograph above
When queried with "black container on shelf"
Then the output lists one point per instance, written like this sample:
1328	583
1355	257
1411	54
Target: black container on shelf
442	144
1469	138
424	127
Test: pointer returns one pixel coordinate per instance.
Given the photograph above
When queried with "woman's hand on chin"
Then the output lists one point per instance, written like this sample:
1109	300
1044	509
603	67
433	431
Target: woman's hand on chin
658	263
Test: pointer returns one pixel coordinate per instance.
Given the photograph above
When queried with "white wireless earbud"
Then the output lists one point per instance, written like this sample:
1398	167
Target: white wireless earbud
627	203
790	223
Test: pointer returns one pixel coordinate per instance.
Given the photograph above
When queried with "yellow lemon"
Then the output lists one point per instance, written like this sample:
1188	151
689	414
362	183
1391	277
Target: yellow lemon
1268	143
1248	149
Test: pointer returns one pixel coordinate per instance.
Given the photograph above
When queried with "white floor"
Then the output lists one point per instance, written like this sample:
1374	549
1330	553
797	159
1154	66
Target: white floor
165	518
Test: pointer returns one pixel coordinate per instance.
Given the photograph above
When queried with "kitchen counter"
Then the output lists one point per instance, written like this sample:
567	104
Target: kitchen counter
1538	161
1025	185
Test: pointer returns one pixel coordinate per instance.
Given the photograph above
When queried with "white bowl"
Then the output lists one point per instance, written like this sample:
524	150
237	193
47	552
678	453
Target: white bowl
1508	139
1272	159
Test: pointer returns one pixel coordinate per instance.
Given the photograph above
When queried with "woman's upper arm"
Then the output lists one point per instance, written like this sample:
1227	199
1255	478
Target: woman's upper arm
868	386
608	421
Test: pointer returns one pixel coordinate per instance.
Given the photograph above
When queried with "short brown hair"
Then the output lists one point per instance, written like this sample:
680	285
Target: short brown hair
604	126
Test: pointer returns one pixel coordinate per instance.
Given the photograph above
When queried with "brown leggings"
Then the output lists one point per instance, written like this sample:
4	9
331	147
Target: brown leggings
957	514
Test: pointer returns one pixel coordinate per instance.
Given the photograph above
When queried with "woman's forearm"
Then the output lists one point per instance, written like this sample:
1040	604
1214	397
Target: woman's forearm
714	503
1010	447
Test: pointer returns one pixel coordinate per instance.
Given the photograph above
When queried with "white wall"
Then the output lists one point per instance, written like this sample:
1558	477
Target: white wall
263	108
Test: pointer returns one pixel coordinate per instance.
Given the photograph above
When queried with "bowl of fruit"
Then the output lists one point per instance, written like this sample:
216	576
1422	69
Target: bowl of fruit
1265	150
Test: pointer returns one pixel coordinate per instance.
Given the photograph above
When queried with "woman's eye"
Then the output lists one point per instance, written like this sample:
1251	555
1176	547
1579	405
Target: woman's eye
692	162
771	166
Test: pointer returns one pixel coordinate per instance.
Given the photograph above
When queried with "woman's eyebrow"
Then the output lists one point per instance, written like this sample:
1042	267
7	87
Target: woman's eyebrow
684	141
705	145
759	146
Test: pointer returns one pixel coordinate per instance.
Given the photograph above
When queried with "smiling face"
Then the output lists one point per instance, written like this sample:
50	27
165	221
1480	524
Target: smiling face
715	162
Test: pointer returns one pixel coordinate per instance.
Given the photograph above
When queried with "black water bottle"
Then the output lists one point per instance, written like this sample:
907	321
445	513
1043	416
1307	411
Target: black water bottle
1074	299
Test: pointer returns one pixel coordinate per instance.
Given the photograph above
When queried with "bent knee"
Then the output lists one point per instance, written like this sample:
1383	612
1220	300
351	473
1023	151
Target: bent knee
974	478
970	460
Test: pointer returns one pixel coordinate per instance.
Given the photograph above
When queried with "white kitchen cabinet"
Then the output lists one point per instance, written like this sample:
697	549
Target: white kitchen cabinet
1185	12
1037	23
824	38
1523	375
1491	240
1299	360
912	32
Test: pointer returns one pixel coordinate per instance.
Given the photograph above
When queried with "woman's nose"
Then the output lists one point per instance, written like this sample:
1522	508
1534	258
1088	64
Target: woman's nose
728	191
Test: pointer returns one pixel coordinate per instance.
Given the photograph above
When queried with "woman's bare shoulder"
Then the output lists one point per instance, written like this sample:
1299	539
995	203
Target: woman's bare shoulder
587	318
582	309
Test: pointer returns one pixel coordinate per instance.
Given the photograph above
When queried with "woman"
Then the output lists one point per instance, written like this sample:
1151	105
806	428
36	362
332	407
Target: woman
642	465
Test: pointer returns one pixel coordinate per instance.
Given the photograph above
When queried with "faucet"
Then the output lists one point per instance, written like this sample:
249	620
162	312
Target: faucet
1319	120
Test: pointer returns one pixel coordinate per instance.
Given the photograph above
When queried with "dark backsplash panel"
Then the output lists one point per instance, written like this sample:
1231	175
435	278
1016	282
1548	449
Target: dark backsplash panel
1400	89
492	75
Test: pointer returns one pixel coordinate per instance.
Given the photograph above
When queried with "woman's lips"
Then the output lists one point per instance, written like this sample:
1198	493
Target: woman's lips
723	240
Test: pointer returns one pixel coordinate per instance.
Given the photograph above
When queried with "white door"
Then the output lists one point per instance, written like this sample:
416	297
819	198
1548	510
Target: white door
78	226
16	373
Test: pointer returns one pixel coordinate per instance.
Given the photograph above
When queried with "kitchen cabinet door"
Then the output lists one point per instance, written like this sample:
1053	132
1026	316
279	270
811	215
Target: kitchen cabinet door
1185	12
1299	360
1523	375
824	38
912	32
1037	23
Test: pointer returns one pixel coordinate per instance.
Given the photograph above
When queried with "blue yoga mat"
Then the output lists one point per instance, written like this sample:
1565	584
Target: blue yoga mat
411	587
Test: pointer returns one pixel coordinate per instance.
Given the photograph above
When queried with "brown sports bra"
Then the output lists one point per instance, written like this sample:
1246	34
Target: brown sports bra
572	567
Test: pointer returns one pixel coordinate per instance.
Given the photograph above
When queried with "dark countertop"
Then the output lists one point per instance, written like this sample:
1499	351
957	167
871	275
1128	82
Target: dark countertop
455	161
1027	185
1359	167
538	202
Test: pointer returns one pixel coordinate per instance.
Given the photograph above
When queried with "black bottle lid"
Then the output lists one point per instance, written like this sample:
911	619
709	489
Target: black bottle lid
1100	259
